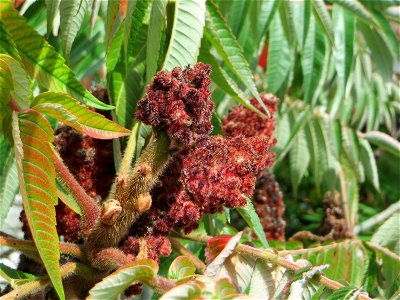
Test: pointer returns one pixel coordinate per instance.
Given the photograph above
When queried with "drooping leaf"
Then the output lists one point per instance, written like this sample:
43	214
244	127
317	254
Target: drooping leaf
345	26
52	9
181	267
113	20
41	60
156	23
349	189
33	135
267	12
369	163
133	25
71	14
323	18
187	30
114	284
313	60
384	141
21	90
357	9
6	88
65	195
299	159
301	12
67	110
8	179
220	36
249	214
279	60
351	146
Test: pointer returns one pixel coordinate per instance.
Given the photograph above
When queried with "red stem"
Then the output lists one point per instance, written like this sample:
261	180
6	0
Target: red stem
90	209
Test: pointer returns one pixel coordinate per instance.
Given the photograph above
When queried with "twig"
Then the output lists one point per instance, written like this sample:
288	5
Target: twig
383	250
32	287
376	219
28	247
178	247
90	209
318	248
271	257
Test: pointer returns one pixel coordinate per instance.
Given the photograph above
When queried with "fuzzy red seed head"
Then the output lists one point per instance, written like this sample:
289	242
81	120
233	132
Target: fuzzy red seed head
243	121
179	102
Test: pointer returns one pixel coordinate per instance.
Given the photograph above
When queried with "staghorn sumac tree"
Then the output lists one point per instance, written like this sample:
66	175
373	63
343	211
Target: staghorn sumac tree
156	182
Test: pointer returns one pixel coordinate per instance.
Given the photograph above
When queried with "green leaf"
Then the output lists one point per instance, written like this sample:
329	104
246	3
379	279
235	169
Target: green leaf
279	58
42	62
181	267
20	79
7	45
349	189
299	159
15	277
6	87
249	214
351	145
267	12
8	179
133	25
33	136
71	15
358	10
384	141
113	285
52	9
64	193
345	26
300	19
156	24
187	30
344	293
369	163
380	52
189	290
323	18
313	60
388	234
113	20
67	110
220	36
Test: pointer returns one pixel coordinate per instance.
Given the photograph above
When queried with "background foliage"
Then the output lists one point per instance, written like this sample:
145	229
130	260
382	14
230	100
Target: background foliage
333	64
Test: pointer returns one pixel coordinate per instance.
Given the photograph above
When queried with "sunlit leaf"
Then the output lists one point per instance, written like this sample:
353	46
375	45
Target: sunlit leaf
15	277
388	234
181	267
249	214
114	284
299	159
36	172
323	18
7	45
158	11
6	88
187	30
369	163
189	290
41	60
52	7
67	110
384	141
8	179
355	7
71	14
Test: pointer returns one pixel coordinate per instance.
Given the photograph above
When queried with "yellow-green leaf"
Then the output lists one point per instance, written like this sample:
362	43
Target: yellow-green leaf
67	110
33	135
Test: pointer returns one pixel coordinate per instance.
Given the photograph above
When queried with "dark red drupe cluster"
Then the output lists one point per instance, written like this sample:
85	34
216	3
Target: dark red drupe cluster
245	122
269	206
156	245
179	102
215	172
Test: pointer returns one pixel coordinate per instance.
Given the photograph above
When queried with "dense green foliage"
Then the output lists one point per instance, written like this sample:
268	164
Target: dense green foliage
333	64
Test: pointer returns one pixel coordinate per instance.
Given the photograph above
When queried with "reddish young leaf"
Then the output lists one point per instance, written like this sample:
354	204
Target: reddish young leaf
215	245
33	135
67	110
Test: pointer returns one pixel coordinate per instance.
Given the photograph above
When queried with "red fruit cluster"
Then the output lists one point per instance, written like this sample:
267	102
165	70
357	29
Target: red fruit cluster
156	245
268	202
216	172
243	121
179	102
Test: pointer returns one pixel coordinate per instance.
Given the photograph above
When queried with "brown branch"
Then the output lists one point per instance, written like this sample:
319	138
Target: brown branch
28	247
271	257
179	248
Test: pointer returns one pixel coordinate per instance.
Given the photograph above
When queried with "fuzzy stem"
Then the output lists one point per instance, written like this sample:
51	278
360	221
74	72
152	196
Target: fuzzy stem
272	258
89	208
28	247
32	287
126	162
178	247
382	216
